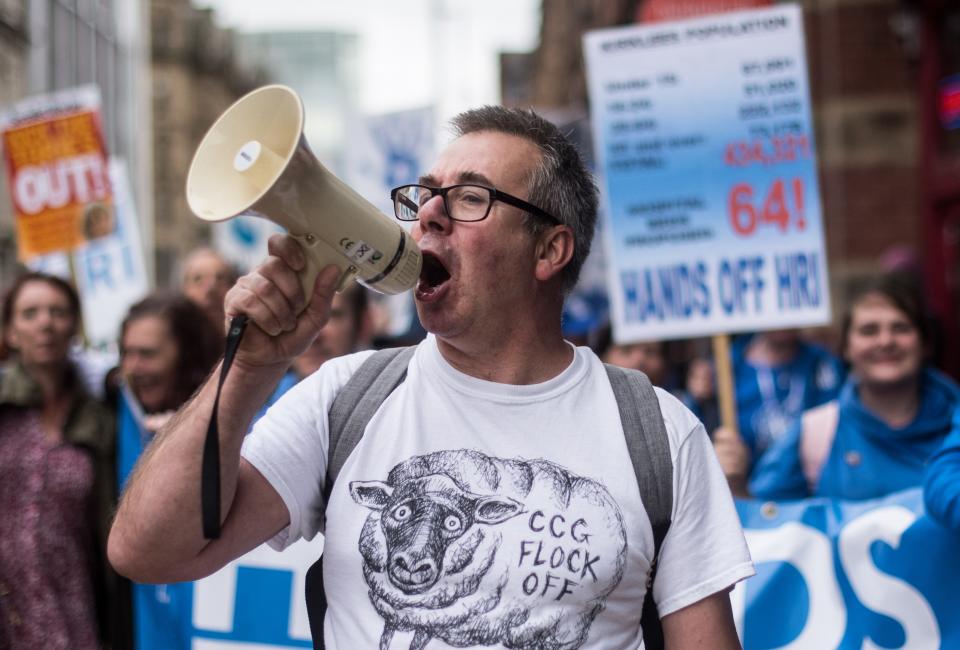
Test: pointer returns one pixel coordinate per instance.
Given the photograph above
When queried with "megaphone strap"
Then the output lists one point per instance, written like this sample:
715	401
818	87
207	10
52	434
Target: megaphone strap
210	467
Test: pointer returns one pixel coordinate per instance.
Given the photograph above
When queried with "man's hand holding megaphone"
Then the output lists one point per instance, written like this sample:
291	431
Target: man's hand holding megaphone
272	298
255	160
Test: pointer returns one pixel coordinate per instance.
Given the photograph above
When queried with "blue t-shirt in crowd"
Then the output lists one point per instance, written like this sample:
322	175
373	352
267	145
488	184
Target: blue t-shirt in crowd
868	459
771	398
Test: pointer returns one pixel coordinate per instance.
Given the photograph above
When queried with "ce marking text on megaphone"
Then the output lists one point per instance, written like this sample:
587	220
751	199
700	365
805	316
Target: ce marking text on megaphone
255	160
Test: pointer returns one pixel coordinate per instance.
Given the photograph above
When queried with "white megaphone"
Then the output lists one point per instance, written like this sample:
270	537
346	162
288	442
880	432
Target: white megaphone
254	160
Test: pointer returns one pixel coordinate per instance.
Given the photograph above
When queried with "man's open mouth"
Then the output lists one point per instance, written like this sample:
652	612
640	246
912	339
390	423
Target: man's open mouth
433	274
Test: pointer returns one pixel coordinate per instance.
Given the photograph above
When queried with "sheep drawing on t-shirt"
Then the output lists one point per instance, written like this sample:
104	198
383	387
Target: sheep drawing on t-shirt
476	550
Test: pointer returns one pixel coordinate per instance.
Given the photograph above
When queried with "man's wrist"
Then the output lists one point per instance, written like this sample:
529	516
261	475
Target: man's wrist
256	372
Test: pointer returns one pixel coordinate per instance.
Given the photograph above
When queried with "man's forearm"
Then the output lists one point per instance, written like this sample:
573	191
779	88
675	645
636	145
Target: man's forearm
158	523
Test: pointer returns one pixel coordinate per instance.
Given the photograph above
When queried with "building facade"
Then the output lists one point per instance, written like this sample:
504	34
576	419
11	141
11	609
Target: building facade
195	77
14	64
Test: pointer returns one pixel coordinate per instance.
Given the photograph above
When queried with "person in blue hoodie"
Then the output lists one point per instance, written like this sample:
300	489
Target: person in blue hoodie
777	376
941	485
893	412
167	347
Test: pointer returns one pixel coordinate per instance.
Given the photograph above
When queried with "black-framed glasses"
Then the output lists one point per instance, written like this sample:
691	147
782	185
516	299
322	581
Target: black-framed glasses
463	202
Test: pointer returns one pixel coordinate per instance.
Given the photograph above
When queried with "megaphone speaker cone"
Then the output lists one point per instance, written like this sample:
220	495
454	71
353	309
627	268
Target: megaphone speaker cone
255	160
244	153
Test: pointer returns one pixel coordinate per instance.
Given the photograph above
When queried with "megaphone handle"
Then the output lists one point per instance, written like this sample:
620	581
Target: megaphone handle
320	254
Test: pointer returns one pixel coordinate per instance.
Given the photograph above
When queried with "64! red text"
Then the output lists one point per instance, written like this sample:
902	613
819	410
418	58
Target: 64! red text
781	206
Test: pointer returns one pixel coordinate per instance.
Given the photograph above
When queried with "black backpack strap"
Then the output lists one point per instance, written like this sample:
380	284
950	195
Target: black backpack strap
649	450
349	415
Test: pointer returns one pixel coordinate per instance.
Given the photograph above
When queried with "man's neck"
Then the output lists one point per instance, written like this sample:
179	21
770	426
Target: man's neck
524	355
896	405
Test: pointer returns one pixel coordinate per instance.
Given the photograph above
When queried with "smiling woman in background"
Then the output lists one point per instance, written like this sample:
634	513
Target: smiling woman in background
892	414
57	482
167	348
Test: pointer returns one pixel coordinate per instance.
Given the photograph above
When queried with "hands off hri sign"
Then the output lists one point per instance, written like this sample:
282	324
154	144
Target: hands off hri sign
704	136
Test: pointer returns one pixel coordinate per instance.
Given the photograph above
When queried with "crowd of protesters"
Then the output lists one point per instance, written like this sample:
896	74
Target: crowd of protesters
871	420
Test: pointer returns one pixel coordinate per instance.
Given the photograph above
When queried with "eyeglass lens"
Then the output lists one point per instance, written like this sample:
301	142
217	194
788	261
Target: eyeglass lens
462	202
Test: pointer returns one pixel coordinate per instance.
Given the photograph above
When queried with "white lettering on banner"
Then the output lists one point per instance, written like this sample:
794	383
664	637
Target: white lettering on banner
810	552
37	188
223	644
214	600
214	597
881	592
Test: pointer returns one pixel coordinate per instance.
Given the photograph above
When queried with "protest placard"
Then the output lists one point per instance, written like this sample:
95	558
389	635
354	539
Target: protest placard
111	270
704	138
388	150
57	170
385	151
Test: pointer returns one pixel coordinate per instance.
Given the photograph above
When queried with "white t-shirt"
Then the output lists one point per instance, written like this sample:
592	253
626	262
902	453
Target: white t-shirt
493	515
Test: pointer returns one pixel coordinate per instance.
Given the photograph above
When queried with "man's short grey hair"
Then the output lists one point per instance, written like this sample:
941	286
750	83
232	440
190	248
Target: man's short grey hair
561	184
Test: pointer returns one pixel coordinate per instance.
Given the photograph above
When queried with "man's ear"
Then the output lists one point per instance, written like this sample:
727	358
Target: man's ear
554	251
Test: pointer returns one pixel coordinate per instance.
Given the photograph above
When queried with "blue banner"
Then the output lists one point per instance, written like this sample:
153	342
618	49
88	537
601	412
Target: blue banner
256	601
835	574
830	574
